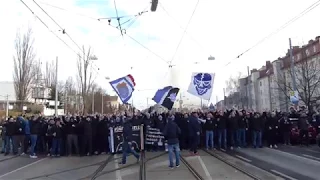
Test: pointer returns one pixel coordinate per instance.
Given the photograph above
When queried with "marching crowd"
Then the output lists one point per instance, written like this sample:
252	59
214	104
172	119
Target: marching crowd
89	135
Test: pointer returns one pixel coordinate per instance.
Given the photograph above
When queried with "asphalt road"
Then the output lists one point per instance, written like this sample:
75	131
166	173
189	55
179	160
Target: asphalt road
270	164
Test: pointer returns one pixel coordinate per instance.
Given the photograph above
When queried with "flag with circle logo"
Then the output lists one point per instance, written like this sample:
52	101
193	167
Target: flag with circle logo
124	87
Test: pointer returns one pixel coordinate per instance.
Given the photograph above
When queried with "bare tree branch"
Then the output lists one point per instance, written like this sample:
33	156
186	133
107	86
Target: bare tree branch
24	65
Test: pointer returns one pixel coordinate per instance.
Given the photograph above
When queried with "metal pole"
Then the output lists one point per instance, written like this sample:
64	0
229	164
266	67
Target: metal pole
56	90
292	67
101	103
7	107
269	86
224	98
247	90
92	102
147	102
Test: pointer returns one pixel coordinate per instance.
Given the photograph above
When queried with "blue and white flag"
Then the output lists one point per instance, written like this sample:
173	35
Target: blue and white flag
124	87
201	85
166	96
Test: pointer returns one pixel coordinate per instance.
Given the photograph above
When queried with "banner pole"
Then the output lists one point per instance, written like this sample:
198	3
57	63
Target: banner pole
141	137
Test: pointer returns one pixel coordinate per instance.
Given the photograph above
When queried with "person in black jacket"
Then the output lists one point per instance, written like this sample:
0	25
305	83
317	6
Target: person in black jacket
232	129
209	126
257	128
49	135
87	137
286	128
35	129
127	139
272	130
11	131
102	135
57	139
222	130
194	132
171	132
70	129
242	126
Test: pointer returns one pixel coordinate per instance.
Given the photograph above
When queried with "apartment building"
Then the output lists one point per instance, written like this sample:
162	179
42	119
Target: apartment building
269	88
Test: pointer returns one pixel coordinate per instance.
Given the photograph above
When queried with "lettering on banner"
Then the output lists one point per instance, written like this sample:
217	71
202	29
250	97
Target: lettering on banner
154	136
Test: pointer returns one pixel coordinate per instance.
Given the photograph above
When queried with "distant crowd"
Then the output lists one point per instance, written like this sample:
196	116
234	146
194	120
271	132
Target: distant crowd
90	135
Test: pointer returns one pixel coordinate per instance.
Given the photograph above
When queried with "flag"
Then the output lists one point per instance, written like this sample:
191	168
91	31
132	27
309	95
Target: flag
124	87
166	96
201	85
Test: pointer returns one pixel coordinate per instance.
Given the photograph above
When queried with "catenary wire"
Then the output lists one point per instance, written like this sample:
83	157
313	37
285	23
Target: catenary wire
184	32
180	26
52	31
62	29
304	12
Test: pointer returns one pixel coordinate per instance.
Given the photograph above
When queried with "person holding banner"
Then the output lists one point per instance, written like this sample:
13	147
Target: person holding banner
127	138
171	132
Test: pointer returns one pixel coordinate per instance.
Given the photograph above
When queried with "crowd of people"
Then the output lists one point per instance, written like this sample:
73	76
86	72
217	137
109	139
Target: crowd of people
90	135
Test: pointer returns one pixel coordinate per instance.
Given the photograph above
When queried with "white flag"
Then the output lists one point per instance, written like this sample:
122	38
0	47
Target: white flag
201	85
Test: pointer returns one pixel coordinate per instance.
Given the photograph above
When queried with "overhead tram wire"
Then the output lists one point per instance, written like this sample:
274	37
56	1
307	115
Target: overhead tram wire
304	12
62	29
47	26
51	30
83	15
184	32
180	26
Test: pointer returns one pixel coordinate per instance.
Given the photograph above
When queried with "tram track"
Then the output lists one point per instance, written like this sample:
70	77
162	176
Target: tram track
232	165
100	164
131	165
195	174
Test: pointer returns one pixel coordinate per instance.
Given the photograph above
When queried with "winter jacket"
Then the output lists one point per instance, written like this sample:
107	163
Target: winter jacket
171	132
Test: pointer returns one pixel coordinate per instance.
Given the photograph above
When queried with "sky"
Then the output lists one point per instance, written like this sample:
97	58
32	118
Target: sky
223	29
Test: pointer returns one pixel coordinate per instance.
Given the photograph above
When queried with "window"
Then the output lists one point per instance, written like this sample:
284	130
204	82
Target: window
307	52
260	83
299	57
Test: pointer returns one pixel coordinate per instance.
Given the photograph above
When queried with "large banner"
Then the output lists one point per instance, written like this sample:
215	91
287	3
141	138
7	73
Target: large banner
154	136
118	138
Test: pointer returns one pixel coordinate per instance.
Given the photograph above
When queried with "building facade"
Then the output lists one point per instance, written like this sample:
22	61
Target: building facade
269	88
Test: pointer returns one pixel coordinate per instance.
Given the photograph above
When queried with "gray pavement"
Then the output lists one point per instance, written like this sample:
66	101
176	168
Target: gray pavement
259	162
283	163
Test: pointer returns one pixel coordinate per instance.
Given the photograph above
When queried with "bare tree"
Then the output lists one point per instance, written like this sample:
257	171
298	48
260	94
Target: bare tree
85	76
50	74
24	63
232	85
307	75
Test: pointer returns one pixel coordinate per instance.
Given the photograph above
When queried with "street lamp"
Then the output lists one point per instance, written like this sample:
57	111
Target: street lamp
211	58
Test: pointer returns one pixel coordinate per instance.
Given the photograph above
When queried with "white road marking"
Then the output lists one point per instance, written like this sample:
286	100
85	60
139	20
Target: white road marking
293	155
118	172
204	167
284	175
6	174
223	150
243	158
312	157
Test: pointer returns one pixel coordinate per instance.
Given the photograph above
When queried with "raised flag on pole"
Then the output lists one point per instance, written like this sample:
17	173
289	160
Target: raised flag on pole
124	87
166	96
201	85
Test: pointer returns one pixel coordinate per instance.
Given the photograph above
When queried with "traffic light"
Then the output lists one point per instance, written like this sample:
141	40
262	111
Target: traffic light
154	5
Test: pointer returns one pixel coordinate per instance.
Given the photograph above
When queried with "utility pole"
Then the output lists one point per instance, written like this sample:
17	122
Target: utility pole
102	103
7	106
147	102
56	90
248	85
269	88
224	98
293	74
292	67
92	108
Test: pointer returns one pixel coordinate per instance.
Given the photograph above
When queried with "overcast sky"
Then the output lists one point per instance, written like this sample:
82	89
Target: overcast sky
223	29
